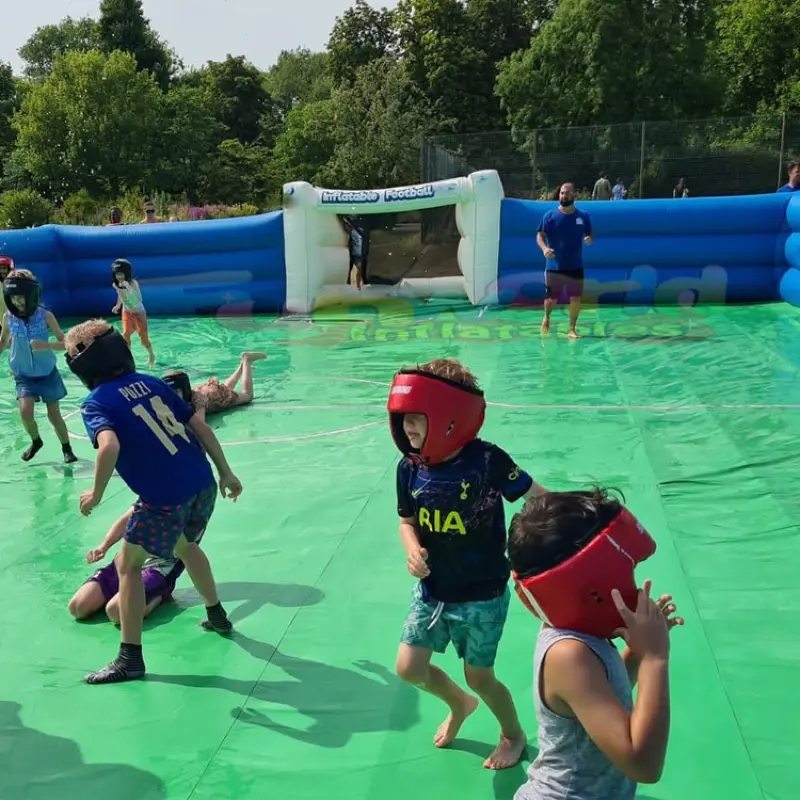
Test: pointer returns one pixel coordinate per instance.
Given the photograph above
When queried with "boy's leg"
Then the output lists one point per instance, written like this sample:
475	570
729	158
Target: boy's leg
476	638
144	337
112	607
60	427
196	562
419	642
26	406
129	664
245	373
156	589
87	601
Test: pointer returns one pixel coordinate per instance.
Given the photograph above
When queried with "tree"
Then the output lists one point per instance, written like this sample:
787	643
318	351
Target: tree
186	147
49	41
380	123
8	105
307	143
298	77
123	26
239	97
442	61
93	123
757	52
361	35
583	67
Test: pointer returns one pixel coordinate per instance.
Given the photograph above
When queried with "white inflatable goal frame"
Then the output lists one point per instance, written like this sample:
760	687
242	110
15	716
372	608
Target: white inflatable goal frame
316	247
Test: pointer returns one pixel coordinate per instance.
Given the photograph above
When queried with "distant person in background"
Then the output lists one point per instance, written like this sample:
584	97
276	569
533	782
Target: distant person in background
150	212
358	245
793	167
115	217
602	188
129	301
681	190
619	191
561	236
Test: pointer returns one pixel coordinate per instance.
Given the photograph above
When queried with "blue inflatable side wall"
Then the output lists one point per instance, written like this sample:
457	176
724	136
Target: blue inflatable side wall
192	268
663	252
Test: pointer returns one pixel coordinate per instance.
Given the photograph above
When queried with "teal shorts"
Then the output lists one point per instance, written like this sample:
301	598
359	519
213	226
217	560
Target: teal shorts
474	628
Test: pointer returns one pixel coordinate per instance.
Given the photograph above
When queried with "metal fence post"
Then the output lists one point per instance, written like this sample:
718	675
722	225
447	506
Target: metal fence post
641	164
780	155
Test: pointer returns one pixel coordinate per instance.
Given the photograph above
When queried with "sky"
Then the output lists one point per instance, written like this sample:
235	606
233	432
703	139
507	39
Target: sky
200	30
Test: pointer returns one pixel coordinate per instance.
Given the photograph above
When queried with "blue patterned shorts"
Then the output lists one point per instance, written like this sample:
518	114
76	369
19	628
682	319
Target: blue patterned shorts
158	528
474	628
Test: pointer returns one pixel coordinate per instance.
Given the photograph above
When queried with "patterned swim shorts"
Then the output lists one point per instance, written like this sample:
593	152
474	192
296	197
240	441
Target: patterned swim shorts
474	628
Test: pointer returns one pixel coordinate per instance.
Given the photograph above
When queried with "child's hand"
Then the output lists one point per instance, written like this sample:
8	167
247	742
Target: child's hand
115	310
36	345
88	503
668	609
587	239
230	484
549	253
646	631
417	563
95	555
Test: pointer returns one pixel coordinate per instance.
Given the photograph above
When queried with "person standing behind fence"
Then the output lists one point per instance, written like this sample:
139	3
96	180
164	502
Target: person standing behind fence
793	168
561	236
619	191
602	188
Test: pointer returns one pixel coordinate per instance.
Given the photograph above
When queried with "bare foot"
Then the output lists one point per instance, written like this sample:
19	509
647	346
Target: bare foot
545	326
508	752
253	356
573	334
449	729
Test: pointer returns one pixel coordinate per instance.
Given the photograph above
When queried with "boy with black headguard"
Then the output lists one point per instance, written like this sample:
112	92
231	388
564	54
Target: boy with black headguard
573	555
27	326
450	491
153	439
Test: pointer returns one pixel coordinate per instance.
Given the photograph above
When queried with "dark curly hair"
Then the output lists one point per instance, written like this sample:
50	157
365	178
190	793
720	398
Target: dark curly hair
554	526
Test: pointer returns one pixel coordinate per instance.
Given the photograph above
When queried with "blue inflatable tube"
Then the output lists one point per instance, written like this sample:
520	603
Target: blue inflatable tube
184	269
661	252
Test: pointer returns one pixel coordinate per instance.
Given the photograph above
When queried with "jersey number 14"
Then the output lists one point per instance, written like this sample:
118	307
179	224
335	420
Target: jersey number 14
164	424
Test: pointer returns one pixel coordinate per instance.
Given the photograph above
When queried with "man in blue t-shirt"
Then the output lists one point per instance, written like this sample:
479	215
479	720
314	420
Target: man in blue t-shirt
793	168
158	446
561	236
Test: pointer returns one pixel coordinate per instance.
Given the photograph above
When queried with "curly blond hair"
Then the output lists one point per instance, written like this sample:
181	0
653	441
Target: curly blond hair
81	336
21	273
452	370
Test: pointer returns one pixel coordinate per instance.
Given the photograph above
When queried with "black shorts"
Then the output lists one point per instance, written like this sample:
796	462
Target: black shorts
563	284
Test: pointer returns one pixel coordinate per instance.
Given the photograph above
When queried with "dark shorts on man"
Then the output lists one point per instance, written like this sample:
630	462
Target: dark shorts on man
563	285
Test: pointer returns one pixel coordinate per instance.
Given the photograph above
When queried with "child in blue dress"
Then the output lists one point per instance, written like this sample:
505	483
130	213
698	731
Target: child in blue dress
27	326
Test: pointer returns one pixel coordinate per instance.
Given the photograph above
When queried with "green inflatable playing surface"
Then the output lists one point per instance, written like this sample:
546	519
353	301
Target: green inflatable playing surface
694	415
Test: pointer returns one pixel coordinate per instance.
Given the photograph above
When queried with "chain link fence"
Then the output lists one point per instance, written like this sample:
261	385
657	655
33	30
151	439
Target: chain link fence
727	156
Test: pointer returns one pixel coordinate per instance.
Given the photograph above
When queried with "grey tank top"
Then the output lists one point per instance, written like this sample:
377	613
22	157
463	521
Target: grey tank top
570	766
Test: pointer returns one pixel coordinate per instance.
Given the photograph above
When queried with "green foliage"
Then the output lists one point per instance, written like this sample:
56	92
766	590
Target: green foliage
105	111
90	124
123	26
24	209
50	41
360	36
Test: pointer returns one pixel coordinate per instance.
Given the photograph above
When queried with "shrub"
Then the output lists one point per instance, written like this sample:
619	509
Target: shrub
24	208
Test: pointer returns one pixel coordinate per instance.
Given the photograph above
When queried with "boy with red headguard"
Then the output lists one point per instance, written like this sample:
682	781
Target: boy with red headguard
573	556
450	491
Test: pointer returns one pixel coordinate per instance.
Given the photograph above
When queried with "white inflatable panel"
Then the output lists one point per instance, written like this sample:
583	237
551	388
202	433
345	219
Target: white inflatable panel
317	258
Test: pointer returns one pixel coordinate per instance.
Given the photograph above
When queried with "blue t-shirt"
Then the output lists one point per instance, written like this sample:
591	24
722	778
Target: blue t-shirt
460	519
564	234
159	458
787	187
23	360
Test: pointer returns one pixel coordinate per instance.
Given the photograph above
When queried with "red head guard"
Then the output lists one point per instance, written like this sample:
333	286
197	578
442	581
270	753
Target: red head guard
576	594
6	266
455	413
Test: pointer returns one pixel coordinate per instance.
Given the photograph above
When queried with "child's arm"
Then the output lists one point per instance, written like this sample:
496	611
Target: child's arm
635	744
137	291
227	480
107	455
416	555
4	337
115	533
55	329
